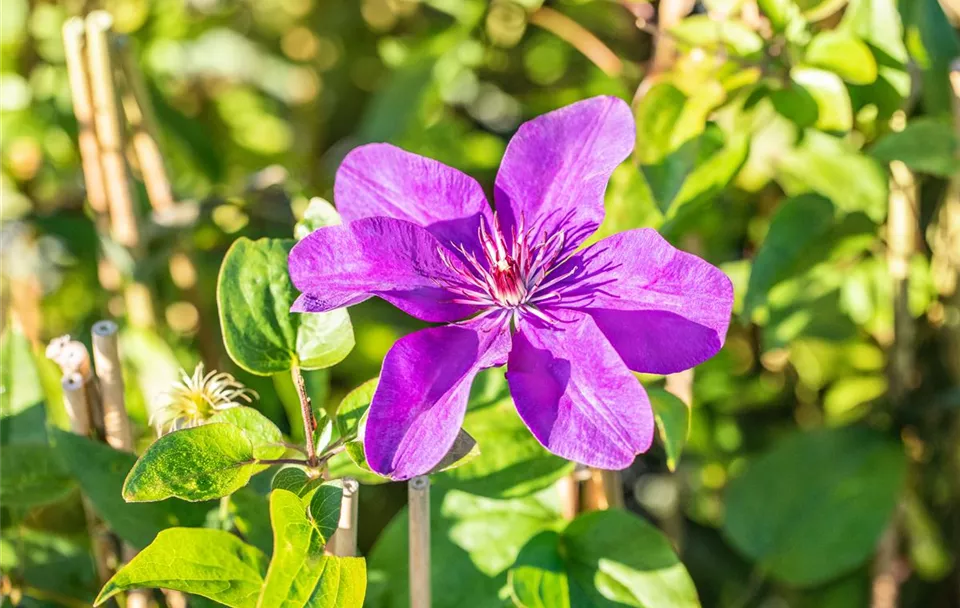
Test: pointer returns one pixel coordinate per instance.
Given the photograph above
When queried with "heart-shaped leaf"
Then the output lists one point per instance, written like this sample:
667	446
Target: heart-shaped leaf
211	563
254	296
264	436
300	575
194	464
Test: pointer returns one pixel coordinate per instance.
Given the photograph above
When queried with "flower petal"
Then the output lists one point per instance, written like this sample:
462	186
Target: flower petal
576	395
396	260
556	168
663	309
386	181
421	399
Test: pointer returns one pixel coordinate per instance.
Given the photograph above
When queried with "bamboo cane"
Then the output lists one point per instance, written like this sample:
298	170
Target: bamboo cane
140	116
344	540
106	358
123	217
418	497
73	48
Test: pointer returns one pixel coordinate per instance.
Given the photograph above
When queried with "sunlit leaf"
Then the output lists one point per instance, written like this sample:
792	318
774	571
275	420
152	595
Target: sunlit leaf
254	295
200	463
210	563
843	54
300	574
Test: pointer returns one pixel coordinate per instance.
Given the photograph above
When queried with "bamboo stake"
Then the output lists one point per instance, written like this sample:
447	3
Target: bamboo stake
73	48
139	113
123	217
418	497
78	409
106	358
569	490
73	358
902	226
344	540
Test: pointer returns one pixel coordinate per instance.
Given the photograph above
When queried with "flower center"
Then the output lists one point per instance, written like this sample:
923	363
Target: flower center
514	276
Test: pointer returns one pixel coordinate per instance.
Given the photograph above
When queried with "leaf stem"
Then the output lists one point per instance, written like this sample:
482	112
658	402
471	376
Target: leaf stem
306	410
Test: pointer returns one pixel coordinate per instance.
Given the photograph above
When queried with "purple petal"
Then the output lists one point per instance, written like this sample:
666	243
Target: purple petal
556	168
421	399
398	261
575	393
386	181
663	309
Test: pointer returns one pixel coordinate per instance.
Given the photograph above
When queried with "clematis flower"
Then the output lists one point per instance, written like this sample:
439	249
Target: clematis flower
513	288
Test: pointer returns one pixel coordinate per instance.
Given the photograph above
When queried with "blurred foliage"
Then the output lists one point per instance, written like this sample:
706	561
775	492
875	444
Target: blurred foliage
765	147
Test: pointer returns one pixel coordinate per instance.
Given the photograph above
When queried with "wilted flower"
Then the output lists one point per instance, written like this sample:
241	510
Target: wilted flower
569	324
194	399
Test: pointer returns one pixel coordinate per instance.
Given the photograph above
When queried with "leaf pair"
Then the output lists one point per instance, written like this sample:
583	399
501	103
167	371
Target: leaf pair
304	513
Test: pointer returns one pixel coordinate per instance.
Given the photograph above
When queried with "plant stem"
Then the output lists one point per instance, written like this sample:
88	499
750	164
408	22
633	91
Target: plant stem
306	410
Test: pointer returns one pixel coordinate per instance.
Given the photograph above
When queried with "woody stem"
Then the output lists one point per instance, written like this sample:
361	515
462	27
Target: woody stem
306	410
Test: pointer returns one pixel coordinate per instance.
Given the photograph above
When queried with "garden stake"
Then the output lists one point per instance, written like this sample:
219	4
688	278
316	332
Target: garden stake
951	226
109	128
145	140
418	498
106	358
344	540
73	48
569	489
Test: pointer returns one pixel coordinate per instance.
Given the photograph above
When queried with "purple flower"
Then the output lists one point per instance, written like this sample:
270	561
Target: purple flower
569	324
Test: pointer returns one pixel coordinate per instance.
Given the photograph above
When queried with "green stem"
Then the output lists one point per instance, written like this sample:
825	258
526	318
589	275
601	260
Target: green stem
306	410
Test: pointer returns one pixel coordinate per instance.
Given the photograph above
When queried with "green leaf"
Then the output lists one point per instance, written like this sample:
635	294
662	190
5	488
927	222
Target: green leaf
473	541
33	474
878	23
933	43
815	506
512	462
602	559
672	417
843	54
299	573
21	398
824	164
834	111
707	32
264	436
211	563
926	145
354	407
100	471
200	463
798	224
319	213
671	143
296	480
782	14
254	296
